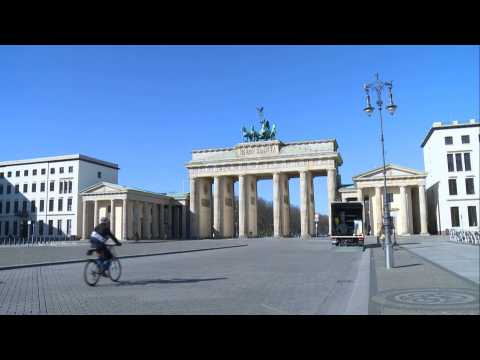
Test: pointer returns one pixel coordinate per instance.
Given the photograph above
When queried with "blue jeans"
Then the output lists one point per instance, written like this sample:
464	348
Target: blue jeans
103	260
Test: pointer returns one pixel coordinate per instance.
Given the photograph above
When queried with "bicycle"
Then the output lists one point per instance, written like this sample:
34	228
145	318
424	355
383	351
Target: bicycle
92	271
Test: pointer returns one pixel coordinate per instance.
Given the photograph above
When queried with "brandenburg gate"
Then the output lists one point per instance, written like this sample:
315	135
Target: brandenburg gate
212	211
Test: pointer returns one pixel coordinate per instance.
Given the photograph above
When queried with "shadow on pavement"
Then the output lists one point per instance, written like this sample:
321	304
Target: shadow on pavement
402	266
166	281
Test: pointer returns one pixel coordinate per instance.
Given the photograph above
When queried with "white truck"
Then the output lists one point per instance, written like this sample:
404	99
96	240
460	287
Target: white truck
347	223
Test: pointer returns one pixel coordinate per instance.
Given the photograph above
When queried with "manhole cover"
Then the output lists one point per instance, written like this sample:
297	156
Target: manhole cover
429	299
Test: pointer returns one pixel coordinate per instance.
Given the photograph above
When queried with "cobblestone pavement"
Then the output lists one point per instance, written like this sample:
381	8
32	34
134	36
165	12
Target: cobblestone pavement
10	256
415	286
268	276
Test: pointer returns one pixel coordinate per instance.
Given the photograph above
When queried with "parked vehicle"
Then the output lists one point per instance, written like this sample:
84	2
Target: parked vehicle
347	223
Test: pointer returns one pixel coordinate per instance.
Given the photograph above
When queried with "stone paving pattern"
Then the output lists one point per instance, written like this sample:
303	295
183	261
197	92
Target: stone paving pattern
269	276
427	288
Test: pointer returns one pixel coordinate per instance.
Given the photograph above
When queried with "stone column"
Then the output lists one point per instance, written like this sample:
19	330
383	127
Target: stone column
277	203
304	204
252	206
410	211
404	211
84	220
205	224
193	210
124	219
311	205
423	210
217	206
331	186
242	204
130	220
140	219
95	214
155	221
360	198
184	221
378	211
228	211
285	208
161	220
112	217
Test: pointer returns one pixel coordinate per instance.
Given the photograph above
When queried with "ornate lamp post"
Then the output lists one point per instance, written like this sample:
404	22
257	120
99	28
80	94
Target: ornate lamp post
379	86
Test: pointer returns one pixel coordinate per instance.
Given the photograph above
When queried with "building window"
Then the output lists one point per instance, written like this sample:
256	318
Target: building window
70	187
61	170
42	205
52	171
34	187
472	216
25	172
69	227
9	189
44	171
390	197
7	207
52	185
466	158
17	189
465	139
50	227
25	188
15	207
454	216
60	204
458	161
24	205
450	162
50	205
469	186
2	175
33	208
99	174
0	228
69	204
40	227
42	187
34	172
7	225
448	140
61	187
1	189
9	174
70	169
15	228
59	227
17	173
1	207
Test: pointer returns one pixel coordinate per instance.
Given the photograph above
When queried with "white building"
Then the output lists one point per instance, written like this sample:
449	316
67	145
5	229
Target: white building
45	192
452	162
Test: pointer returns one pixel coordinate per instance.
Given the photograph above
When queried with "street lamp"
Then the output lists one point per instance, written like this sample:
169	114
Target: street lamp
379	86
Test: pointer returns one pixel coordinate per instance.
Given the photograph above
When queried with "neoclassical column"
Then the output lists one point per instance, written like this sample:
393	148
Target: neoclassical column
124	219
84	220
360	199
193	210
130	220
228	213
251	206
112	217
311	204
155	221
95	214
303	204
404	211
242	203
205	225
285	207
277	203
139	210
423	210
378	210
217	206
184	221
331	187
161	220
148	220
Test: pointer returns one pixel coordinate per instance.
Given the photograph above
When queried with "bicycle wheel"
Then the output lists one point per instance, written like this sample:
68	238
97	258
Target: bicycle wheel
115	270
91	273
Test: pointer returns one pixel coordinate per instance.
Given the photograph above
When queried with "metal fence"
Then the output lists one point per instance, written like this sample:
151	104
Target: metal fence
35	240
464	236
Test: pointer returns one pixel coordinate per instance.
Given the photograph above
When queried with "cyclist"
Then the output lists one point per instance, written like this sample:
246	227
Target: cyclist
98	238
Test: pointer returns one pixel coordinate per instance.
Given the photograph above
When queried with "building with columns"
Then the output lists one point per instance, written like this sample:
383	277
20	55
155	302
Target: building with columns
405	195
211	210
135	213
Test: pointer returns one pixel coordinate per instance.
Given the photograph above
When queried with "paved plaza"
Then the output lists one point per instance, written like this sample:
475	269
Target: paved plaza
269	276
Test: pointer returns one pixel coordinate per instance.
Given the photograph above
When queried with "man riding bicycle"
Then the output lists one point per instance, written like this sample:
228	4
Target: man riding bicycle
98	238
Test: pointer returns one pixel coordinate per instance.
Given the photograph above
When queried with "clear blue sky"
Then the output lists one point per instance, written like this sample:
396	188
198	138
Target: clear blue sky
147	107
